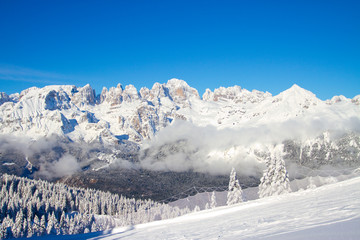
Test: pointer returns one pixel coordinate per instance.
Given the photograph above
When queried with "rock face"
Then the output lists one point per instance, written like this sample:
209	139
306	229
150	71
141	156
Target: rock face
4	98
117	113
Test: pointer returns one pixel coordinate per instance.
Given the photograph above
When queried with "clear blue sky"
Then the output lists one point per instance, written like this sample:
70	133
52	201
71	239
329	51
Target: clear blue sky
264	45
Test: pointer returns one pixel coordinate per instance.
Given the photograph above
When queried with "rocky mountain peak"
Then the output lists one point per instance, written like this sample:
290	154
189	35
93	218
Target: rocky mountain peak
297	91
159	90
84	95
130	93
4	98
298	96
179	90
113	96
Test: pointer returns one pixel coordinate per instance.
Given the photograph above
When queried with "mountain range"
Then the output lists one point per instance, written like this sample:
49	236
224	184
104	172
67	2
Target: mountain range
126	113
172	131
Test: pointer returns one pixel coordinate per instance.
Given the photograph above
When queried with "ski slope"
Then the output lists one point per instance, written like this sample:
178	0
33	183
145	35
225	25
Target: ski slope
328	212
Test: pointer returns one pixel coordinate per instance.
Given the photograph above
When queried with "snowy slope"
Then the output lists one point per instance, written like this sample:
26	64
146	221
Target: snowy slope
328	212
292	216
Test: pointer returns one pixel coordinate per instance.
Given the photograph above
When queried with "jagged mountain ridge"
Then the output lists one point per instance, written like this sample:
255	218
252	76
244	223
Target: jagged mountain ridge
105	135
122	113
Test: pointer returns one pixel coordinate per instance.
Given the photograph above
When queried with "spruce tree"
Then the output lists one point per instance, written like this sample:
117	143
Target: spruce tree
94	227
207	206
42	228
235	192
196	209
36	226
50	225
275	180
17	229
213	200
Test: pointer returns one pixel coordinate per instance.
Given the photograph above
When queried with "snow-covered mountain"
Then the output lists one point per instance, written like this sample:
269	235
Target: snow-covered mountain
160	143
122	113
170	128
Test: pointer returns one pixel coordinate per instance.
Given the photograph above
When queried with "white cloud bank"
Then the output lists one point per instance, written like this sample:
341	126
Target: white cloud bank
184	146
64	166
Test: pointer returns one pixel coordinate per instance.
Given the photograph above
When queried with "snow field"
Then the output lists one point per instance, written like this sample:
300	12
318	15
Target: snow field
328	212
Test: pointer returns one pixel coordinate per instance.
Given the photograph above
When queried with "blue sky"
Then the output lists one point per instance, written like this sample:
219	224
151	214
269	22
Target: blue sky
263	45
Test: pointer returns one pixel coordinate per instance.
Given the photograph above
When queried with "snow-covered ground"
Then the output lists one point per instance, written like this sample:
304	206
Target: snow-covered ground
328	212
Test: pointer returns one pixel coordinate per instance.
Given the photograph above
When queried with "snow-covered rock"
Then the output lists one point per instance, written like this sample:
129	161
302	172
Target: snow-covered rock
112	96
356	100
4	98
235	94
180	91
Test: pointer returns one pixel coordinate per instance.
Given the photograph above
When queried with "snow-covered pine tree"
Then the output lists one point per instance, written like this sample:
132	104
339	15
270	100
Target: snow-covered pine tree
275	180
207	206
50	224
94	227
213	200
71	229
235	192
35	208
196	208
36	226
30	230
25	228
2	231
17	229
42	228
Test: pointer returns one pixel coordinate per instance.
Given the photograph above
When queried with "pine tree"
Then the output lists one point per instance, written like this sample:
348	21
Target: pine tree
50	225
42	227
8	224
235	192
207	206
275	180
213	200
30	230
71	226
62	220
94	227
25	228
196	209
17	229
36	226
29	210
2	231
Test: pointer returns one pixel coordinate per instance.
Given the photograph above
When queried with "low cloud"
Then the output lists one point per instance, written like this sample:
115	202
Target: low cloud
181	146
65	166
53	157
184	146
